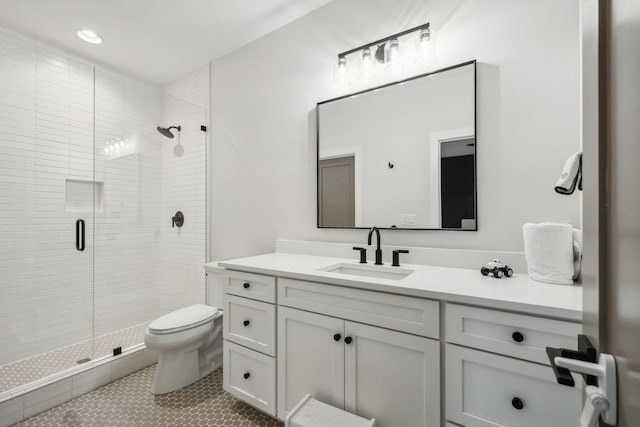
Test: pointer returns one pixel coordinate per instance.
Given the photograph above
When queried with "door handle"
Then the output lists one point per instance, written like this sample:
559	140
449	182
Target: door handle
601	401
80	235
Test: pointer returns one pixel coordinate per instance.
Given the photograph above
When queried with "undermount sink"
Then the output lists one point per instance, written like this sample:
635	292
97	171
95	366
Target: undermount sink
376	271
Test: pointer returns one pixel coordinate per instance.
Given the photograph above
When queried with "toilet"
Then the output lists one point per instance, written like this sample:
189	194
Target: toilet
189	342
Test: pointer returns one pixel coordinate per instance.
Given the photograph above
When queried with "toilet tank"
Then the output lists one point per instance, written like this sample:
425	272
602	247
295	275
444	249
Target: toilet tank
215	284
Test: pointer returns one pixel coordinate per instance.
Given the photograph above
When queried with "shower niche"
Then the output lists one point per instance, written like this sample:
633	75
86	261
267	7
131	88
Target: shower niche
83	196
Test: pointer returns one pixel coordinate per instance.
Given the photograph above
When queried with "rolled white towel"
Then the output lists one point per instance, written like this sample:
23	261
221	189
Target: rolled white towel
577	253
548	248
571	174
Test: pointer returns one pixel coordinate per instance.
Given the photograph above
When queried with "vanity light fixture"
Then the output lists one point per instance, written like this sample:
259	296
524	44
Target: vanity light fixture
89	36
387	49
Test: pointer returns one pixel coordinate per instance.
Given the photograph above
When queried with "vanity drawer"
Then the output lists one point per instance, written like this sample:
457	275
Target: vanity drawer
485	390
516	335
255	286
413	315
250	323
250	376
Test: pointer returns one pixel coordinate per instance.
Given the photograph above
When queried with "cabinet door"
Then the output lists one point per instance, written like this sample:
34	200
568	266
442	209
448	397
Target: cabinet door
392	376
310	359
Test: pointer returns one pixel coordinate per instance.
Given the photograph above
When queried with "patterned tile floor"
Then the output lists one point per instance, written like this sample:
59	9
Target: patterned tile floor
129	402
33	368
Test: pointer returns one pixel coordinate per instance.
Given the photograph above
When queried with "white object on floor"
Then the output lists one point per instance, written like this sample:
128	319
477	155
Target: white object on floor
313	413
189	341
548	248
570	175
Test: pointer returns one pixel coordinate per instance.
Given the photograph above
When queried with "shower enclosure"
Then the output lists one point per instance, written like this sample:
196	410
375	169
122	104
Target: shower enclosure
88	189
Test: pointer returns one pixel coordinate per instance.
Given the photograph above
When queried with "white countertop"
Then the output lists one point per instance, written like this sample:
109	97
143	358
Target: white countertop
518	293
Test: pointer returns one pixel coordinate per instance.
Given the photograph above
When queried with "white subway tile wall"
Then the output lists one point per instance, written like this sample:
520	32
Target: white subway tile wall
135	266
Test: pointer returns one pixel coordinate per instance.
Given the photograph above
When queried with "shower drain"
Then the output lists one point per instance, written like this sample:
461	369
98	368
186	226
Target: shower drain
85	360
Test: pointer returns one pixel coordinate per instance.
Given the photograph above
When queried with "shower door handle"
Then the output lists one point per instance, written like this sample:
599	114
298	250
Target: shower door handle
80	235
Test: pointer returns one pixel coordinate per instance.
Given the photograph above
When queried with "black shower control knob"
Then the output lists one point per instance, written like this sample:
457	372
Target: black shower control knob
337	337
348	340
246	375
517	336
246	285
517	403
246	323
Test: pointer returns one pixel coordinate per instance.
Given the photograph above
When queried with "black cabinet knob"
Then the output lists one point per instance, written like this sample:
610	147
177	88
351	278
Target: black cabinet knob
517	403
246	323
517	336
246	285
348	340
337	337
246	375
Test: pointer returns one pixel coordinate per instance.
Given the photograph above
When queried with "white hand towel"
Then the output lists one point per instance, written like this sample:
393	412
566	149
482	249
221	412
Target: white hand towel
548	248
570	175
577	253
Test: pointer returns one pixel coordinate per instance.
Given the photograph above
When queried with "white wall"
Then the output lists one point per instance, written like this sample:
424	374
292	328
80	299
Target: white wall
264	95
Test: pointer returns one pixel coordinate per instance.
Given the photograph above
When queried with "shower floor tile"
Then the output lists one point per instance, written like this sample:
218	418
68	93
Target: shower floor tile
129	402
33	368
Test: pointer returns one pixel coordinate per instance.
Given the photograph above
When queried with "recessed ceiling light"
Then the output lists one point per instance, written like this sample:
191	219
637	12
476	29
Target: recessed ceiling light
89	36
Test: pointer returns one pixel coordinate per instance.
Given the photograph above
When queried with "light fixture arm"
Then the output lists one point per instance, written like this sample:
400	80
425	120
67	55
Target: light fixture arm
385	39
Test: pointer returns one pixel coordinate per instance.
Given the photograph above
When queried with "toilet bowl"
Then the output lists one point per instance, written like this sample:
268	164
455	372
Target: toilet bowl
189	341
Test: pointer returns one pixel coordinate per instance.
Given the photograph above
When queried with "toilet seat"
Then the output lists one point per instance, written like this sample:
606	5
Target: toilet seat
183	319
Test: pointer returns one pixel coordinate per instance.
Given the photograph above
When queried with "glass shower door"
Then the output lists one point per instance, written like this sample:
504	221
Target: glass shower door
46	212
144	266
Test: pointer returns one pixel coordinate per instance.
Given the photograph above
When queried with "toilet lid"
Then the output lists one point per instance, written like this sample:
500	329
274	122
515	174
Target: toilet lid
184	318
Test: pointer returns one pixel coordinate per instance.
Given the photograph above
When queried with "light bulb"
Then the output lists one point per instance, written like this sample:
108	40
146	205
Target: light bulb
366	55
394	48
342	63
425	35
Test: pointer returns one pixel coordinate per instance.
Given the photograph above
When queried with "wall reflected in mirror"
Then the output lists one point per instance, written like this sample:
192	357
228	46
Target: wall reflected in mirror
402	155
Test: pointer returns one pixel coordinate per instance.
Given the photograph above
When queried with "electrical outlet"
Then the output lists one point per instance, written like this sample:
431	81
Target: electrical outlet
408	219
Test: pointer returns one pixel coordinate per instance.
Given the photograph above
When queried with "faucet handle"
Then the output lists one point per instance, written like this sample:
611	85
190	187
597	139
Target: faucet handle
396	256
363	254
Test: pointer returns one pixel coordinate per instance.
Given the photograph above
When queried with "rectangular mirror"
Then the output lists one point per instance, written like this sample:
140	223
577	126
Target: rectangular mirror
401	155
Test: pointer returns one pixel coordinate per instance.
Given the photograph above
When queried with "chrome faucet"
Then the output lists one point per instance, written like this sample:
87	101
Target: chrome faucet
378	250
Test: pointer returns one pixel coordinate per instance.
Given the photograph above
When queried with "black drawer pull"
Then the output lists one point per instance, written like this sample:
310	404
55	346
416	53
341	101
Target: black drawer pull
517	403
246	285
517	336
337	337
246	323
246	375
348	340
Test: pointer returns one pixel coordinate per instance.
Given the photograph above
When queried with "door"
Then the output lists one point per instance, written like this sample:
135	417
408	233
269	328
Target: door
611	108
457	183
392	376
337	192
310	359
46	212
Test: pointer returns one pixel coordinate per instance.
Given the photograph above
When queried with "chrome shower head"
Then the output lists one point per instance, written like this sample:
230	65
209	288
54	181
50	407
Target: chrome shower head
167	131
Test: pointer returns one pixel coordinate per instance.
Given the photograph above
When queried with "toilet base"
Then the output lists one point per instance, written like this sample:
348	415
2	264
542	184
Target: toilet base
184	366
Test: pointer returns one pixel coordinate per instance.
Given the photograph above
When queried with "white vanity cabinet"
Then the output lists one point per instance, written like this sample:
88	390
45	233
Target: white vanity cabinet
368	370
515	387
380	350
